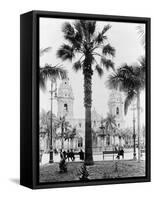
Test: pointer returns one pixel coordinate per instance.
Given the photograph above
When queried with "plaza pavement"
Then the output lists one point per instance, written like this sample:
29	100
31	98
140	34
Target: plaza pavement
96	157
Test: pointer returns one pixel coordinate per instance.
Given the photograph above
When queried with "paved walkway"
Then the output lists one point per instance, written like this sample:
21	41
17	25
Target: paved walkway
97	157
100	170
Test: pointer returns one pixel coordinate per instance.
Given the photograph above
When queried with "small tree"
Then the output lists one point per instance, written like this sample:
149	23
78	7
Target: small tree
84	173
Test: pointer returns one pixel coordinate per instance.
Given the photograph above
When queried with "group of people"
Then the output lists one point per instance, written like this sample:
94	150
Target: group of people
120	151
70	155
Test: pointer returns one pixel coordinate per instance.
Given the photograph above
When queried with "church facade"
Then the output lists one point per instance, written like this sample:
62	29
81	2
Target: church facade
65	102
102	140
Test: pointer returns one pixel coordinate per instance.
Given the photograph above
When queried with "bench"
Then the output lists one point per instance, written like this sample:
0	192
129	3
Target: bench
113	152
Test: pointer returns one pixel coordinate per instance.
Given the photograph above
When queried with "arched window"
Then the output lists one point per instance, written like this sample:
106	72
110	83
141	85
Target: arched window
65	107
119	125
80	142
108	140
117	111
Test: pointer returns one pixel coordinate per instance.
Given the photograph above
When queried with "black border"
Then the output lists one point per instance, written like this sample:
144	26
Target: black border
35	15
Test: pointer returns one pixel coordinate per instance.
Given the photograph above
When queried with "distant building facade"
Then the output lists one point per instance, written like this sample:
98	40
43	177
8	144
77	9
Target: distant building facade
116	108
65	103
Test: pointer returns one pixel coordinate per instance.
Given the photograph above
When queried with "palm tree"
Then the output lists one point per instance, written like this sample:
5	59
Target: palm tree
131	80
70	134
51	73
88	47
109	124
65	130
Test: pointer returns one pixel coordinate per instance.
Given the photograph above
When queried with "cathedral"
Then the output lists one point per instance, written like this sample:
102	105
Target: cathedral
65	101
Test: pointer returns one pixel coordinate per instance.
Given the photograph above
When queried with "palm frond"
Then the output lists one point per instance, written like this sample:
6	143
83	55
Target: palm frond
91	26
99	70
42	81
108	50
83	24
71	35
129	98
79	31
45	50
87	28
100	38
77	65
68	29
142	63
114	81
108	63
49	72
65	52
106	28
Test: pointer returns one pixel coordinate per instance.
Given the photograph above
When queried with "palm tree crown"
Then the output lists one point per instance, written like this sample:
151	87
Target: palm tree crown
130	80
52	73
84	42
109	122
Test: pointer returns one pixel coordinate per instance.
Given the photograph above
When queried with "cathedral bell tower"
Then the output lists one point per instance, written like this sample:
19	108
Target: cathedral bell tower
116	108
65	100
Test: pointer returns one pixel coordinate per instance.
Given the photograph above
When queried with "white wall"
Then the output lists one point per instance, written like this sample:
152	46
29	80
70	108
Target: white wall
9	101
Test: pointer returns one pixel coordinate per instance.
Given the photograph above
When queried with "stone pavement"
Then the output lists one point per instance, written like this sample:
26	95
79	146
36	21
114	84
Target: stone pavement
100	170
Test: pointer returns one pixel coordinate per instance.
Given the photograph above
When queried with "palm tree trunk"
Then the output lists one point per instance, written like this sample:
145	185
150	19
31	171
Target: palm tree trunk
138	124
51	131
87	104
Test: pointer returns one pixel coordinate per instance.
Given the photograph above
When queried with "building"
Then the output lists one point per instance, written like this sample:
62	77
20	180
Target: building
101	140
65	101
116	108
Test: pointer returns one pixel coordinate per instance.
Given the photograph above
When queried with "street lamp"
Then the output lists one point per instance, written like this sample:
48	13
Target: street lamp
62	132
52	91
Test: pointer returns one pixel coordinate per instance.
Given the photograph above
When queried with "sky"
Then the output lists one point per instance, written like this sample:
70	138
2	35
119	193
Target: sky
122	36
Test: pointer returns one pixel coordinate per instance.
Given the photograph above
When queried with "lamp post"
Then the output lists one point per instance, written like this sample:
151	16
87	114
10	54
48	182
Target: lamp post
102	127
134	135
52	91
62	131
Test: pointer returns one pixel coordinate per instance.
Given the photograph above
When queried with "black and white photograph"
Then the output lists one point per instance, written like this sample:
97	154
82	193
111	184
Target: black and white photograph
76	100
92	100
